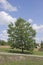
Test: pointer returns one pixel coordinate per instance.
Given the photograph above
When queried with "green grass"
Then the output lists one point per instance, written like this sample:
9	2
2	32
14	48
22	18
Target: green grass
19	51
38	53
24	63
20	60
4	49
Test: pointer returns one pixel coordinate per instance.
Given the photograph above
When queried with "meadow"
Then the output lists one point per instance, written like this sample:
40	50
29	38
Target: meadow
13	59
9	49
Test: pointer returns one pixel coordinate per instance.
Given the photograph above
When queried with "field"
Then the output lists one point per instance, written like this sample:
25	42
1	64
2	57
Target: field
8	49
13	59
19	59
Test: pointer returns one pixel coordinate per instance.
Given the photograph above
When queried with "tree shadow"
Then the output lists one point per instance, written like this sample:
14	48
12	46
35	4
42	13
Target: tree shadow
20	52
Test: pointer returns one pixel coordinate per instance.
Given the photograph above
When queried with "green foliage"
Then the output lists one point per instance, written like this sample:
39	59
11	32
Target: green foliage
21	35
2	42
41	44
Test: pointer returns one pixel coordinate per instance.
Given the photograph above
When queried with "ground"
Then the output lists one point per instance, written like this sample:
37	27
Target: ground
8	49
8	58
20	59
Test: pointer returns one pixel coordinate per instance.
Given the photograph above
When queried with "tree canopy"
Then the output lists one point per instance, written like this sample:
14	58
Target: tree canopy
21	35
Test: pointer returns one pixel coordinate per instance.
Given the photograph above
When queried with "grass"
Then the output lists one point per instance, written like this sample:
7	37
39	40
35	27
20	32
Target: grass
24	63
38	53
8	49
4	48
20	60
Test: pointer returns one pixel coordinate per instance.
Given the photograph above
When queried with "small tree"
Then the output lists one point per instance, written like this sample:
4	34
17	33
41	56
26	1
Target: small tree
21	35
41	44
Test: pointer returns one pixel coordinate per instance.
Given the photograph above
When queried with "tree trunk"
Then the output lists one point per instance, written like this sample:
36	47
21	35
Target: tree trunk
22	50
22	46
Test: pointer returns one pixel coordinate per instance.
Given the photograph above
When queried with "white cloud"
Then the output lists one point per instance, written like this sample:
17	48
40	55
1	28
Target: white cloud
39	34
5	18
38	40
7	6
4	35
37	27
30	21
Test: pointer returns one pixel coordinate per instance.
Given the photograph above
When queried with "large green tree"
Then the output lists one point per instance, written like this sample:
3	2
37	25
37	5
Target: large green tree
21	35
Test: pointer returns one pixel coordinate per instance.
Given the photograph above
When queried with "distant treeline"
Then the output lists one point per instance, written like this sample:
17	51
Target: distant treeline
2	42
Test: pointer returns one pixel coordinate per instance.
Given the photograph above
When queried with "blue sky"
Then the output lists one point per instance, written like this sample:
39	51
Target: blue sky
30	10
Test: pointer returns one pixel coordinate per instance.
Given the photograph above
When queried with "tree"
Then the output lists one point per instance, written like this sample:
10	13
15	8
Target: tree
21	35
2	42
41	44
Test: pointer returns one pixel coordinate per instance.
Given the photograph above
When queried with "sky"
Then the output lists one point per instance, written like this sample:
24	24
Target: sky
30	10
